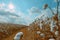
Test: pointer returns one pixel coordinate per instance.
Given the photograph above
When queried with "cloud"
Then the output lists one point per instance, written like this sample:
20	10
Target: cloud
3	19
2	6
21	18
45	13
10	10
33	10
7	13
32	13
56	0
17	18
13	16
7	16
8	7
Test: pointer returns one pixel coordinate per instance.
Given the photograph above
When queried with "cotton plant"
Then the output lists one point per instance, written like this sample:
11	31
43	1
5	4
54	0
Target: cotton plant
41	26
53	24
48	21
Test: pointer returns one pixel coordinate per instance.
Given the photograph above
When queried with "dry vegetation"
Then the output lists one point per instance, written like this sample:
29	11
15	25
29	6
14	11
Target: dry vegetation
44	26
8	29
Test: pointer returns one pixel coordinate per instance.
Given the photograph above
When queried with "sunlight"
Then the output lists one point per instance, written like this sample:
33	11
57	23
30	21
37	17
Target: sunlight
11	6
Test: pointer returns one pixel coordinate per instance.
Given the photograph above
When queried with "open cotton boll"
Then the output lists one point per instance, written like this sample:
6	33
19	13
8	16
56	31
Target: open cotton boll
41	26
42	35
56	33
38	32
18	36
51	39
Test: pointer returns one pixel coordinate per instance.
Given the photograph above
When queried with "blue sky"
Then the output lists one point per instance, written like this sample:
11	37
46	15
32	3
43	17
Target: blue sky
23	11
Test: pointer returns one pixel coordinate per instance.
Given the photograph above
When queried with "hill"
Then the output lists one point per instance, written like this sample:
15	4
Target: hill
8	29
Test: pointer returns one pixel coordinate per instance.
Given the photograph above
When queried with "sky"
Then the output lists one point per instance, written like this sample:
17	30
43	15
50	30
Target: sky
24	11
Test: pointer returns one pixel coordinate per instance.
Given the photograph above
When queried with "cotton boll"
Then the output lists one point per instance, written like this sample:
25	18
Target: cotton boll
51	39
42	35
18	36
56	33
38	32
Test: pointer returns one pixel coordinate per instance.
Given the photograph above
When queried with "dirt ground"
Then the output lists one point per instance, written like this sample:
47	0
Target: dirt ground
28	34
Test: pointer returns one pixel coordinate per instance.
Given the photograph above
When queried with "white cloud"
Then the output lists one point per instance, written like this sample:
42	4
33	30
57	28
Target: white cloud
18	18
32	13
3	19
56	0
11	16
21	14
10	7
28	20
10	10
2	6
33	10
